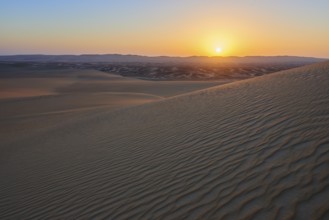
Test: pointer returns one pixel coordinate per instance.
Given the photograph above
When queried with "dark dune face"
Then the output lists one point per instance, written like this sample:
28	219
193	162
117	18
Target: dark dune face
255	149
218	71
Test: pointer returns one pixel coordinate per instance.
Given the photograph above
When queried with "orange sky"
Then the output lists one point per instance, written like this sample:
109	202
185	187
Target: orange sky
171	27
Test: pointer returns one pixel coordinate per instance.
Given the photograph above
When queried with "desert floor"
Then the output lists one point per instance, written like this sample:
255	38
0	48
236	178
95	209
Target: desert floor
83	144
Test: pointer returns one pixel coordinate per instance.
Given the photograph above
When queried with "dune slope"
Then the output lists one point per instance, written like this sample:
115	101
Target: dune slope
36	97
254	149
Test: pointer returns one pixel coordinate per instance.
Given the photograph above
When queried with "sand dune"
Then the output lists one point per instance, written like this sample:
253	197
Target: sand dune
45	96
28	80
254	149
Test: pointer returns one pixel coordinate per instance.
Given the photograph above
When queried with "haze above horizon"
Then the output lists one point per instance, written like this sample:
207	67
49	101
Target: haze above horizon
169	28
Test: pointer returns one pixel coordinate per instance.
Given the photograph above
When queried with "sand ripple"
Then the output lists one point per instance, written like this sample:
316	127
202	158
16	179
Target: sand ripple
255	149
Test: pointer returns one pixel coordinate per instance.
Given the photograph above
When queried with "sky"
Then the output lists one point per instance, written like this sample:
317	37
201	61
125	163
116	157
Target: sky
165	27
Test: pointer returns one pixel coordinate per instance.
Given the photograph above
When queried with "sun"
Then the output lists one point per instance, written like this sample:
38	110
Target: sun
218	50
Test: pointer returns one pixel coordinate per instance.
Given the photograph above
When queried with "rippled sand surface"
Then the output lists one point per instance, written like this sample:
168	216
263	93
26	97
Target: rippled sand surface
254	149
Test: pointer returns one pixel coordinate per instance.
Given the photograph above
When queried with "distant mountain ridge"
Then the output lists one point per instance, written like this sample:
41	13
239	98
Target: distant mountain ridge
119	58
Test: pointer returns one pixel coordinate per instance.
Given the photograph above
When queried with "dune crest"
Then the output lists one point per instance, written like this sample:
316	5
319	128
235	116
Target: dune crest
254	149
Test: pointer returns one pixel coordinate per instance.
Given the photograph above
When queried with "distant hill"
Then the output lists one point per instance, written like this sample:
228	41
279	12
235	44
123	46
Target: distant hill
118	58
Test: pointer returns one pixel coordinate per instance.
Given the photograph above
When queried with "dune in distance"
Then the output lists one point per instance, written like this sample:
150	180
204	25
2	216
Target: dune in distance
195	68
85	144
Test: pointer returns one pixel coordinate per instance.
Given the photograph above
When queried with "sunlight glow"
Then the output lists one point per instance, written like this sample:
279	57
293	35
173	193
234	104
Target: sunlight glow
238	28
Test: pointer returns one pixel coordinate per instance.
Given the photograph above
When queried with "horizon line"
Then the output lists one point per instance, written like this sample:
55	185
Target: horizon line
159	56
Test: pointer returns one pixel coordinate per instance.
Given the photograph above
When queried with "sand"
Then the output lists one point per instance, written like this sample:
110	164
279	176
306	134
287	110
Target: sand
45	96
253	149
